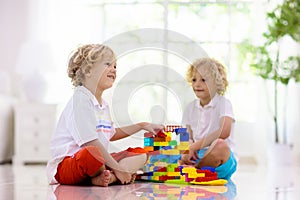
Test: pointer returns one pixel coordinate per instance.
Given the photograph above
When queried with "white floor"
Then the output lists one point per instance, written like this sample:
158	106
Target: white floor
249	182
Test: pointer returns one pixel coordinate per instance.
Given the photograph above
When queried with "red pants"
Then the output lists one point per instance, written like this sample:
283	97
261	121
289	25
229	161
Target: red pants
77	169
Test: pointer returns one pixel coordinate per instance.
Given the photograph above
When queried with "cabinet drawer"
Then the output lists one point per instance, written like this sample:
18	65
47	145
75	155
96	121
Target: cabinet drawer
35	150
33	120
36	134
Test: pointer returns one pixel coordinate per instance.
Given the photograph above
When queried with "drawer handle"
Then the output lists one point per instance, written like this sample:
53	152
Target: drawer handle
36	148
36	134
36	120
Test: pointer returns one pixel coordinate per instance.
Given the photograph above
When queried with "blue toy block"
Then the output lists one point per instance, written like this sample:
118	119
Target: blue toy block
212	169
148	142
184	137
180	130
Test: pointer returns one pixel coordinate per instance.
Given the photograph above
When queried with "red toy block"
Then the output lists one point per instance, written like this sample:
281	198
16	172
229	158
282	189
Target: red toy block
161	134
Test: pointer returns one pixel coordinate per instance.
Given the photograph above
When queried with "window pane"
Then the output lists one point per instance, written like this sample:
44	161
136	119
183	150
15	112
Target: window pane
201	22
246	21
124	17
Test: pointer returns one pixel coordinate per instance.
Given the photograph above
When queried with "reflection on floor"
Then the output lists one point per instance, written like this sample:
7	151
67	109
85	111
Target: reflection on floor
249	182
141	190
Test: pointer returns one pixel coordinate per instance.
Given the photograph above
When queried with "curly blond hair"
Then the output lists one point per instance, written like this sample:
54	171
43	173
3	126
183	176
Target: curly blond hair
82	60
209	68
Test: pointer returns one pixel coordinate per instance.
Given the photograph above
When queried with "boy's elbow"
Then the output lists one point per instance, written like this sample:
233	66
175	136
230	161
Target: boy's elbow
225	134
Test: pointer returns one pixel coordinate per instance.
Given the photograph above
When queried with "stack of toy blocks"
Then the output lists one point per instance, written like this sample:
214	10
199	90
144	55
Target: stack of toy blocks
165	152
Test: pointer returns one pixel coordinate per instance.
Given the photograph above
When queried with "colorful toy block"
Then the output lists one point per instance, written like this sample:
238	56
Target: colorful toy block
164	154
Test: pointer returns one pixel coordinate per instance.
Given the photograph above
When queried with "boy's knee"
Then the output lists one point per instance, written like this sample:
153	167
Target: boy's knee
220	149
142	157
221	144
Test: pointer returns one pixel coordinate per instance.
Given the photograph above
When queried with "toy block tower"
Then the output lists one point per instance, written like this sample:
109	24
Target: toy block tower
164	154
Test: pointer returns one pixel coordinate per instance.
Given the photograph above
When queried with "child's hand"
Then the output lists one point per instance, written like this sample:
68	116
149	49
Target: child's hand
153	128
123	177
193	156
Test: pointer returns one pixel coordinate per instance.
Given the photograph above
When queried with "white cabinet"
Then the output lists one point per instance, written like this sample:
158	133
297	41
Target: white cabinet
34	124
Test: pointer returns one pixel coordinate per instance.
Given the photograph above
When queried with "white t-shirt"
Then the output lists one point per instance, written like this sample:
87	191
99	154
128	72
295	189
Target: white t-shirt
205	120
82	120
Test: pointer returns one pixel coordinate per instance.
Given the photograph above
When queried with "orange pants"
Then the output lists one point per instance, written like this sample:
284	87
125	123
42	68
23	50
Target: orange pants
77	169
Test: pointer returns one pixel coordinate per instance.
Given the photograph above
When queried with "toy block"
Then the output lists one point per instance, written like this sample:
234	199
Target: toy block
159	139
192	175
164	143
173	143
188	170
184	151
170	152
170	128
163	178
184	137
173	173
160	164
187	179
171	167
148	141
162	169
174	158
169	134
161	134
156	149
180	130
177	169
167	147
149	148
157	144
212	169
159	173
183	146
168	139
165	150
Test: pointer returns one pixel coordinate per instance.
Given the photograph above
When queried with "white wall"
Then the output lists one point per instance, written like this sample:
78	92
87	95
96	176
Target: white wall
14	30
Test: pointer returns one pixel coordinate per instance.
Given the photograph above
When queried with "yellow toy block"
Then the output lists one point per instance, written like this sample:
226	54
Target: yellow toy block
188	170
214	182
173	173
157	144
183	146
163	144
192	175
170	152
195	175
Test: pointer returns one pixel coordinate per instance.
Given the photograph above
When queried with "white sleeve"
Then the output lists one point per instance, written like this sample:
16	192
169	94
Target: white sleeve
226	110
83	120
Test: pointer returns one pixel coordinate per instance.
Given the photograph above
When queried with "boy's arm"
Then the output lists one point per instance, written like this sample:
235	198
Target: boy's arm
189	130
131	129
223	132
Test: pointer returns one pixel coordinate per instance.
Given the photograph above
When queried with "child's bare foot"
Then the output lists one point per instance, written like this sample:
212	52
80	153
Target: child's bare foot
103	179
133	177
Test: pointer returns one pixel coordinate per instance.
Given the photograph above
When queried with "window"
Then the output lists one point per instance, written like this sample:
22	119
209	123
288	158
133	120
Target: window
217	26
